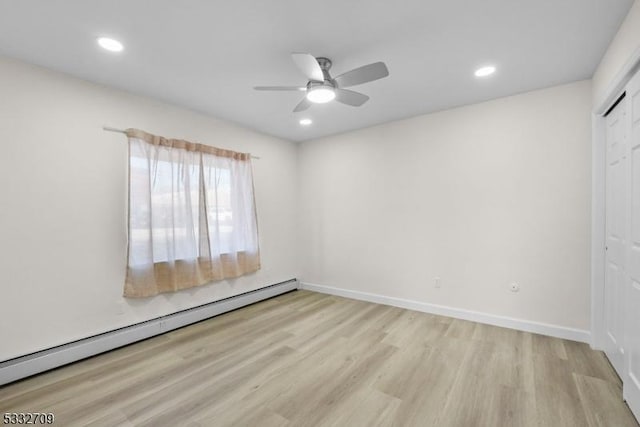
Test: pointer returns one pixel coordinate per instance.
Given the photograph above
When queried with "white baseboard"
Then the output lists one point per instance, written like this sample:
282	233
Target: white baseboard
41	361
474	316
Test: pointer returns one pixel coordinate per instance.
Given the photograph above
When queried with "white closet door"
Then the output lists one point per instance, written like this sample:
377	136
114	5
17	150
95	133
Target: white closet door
615	236
632	285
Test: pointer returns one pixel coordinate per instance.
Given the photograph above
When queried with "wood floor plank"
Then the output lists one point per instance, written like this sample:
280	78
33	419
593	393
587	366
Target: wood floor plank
424	395
363	407
488	392
602	404
399	371
328	399
585	361
308	359
462	329
549	346
557	397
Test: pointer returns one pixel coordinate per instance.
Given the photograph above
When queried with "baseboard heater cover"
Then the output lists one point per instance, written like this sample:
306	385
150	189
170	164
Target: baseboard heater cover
35	363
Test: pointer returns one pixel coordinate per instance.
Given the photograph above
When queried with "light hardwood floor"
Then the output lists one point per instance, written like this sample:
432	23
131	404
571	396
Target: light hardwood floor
307	359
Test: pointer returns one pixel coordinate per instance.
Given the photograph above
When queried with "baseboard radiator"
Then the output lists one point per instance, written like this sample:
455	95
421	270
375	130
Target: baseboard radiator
35	363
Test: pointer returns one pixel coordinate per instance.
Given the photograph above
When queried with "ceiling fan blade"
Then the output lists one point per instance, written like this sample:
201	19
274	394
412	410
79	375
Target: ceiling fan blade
309	66
300	88
303	105
364	74
350	97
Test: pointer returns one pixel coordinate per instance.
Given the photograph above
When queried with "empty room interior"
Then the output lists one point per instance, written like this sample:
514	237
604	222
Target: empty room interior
348	213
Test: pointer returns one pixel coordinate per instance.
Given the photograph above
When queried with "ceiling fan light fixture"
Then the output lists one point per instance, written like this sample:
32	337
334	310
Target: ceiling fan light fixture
321	94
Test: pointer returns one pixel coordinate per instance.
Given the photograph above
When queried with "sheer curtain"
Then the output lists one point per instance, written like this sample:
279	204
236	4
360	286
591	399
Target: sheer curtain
192	216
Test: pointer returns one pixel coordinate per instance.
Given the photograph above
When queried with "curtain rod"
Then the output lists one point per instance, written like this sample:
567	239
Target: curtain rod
111	129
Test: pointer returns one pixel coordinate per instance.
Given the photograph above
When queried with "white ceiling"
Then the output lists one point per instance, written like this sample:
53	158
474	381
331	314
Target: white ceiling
207	55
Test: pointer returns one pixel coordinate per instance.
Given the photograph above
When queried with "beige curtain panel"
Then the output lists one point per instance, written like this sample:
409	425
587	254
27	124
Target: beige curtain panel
192	215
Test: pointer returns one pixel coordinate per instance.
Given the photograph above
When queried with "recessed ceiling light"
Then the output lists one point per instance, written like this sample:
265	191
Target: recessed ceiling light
321	94
110	44
305	122
485	71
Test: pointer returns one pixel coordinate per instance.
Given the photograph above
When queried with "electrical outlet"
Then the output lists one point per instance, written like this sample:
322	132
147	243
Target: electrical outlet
436	282
514	287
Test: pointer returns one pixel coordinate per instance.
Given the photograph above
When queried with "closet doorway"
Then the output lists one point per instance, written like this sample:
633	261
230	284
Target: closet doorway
616	246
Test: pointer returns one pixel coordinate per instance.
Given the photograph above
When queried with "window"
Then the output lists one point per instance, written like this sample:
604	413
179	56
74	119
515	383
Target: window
192	215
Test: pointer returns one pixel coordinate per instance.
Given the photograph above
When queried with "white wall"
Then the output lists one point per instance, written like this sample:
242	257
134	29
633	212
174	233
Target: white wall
480	196
624	44
63	220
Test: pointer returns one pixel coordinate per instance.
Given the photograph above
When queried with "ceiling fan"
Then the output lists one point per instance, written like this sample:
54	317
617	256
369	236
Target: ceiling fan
322	88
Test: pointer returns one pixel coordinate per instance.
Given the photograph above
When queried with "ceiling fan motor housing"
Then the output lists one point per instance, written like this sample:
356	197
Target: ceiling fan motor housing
327	83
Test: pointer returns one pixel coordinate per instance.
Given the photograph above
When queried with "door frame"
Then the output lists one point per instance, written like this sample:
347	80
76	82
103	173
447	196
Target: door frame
598	195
